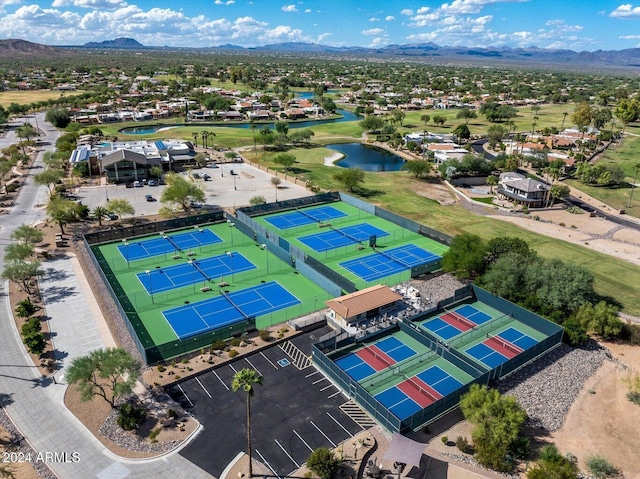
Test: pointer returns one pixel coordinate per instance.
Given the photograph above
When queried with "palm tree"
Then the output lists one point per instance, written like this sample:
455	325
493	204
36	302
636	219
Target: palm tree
633	185
492	181
252	125
195	135
245	380
564	117
100	212
204	135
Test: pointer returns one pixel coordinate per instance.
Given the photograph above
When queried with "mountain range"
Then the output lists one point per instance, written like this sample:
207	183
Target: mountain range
427	52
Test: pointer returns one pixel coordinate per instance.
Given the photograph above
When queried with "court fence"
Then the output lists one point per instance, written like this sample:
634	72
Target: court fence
145	229
285	205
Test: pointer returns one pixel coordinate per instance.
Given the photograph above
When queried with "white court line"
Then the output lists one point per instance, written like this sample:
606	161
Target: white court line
219	379
305	442
334	394
263	355
319	380
253	366
338	423
309	375
288	455
185	395
267	463
321	432
204	389
327	387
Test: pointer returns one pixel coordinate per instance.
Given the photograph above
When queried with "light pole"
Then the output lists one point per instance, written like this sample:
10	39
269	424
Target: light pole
150	285
230	255
193	274
264	247
234	183
126	251
231	225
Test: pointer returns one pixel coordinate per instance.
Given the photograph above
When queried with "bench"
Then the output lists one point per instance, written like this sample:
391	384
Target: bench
204	289
191	253
223	284
176	256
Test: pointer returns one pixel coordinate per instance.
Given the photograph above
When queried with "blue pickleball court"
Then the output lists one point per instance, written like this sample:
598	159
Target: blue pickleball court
395	348
186	274
520	339
305	217
135	250
473	314
486	355
440	327
338	237
224	310
440	380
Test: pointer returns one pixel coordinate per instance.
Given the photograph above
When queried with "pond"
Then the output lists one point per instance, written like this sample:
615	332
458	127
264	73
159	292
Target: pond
346	116
140	130
367	157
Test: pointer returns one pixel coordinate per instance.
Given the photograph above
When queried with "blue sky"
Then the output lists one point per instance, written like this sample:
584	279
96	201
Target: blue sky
574	24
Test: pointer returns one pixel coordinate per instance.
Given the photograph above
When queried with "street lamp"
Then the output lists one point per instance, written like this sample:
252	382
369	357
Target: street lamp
234	183
193	274
230	255
126	251
150	285
264	247
231	225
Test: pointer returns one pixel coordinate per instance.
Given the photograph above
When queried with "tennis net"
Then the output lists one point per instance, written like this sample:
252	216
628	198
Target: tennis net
307	215
228	298
461	319
421	390
508	346
379	357
352	238
195	265
394	259
173	243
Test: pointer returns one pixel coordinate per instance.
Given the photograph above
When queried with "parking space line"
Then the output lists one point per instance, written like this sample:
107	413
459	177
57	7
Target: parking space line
309	375
253	366
220	379
338	423
203	388
288	455
327	387
319	380
264	356
321	432
185	395
334	394
267	463
305	442
234	369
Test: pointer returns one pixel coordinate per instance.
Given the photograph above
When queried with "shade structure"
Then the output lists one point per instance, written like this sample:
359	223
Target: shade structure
404	450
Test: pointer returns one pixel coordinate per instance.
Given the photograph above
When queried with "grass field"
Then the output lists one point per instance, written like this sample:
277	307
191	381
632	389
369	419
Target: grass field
269	268
25	97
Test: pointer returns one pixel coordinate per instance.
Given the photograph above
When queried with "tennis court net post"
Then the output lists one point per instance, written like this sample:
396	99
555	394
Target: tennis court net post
177	248
193	263
226	296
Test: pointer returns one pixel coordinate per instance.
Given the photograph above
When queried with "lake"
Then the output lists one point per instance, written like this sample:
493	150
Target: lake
366	157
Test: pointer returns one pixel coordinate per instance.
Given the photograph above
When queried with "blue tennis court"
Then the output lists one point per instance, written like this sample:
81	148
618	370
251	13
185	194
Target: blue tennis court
396	401
133	251
523	341
395	348
227	309
354	366
440	380
473	314
441	328
336	238
391	261
486	355
305	217
216	267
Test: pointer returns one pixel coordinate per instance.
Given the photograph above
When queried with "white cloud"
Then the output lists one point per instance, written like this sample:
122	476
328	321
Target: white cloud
407	11
283	33
322	36
289	8
626	11
104	4
372	32
379	42
629	37
307	10
468	7
374	19
9	2
422	10
222	2
389	18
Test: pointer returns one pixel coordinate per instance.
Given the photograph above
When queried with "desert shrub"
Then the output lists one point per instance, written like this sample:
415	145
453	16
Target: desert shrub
218	345
25	308
12	187
630	333
264	334
233	353
31	326
601	468
130	416
463	445
521	447
235	342
323	462
184	361
154	434
35	343
161	368
172	413
634	397
444	439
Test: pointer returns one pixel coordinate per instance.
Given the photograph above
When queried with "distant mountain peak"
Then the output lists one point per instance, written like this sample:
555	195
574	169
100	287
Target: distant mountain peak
117	43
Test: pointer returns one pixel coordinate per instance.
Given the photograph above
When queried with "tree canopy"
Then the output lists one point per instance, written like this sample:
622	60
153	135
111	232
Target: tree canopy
417	167
351	178
180	191
465	256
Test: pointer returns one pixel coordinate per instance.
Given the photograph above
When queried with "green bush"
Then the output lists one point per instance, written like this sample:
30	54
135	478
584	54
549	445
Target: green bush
444	439
130	416
10	188
601	468
233	353
521	447
634	397
574	333
161	368
264	334
235	342
323	462
463	445
26	308
35	343
31	326
218	345
154	434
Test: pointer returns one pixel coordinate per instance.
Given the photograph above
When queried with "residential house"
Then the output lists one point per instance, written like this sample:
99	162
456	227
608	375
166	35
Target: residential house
519	189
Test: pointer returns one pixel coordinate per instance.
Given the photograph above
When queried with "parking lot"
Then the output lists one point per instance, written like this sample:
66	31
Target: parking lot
294	412
223	189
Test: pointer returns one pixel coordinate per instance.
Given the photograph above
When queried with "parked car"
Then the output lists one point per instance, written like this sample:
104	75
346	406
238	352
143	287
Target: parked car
112	216
212	165
206	177
233	172
152	183
194	205
129	185
196	176
137	184
150	198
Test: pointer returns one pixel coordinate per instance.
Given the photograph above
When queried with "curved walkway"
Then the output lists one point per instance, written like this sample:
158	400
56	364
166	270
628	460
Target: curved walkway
35	403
